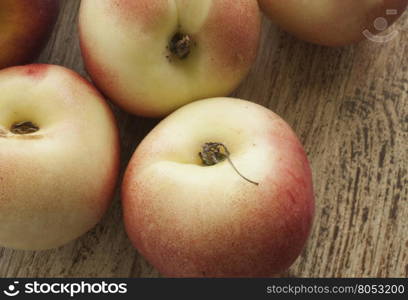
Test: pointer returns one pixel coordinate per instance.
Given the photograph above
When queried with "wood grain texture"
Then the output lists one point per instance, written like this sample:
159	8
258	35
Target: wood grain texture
349	107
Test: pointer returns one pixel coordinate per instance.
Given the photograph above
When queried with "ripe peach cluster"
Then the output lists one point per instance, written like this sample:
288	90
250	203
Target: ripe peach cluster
219	188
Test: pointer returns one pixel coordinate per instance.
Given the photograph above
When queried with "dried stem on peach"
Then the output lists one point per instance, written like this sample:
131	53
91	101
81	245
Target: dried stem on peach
214	153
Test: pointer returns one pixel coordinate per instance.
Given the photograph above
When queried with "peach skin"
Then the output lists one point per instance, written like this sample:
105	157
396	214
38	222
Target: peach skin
152	56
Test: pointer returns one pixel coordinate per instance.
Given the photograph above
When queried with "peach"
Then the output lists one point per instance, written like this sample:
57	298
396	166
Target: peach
220	188
25	26
153	56
333	22
59	156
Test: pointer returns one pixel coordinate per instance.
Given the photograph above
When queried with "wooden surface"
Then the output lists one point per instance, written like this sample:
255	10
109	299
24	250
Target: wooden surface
350	109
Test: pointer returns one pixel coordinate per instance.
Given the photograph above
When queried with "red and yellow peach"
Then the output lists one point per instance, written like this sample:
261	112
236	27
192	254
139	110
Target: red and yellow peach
153	56
190	219
59	156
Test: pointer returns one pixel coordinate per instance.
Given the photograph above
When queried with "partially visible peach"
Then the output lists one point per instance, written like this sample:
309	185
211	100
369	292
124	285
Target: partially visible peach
25	26
332	22
153	56
202	215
